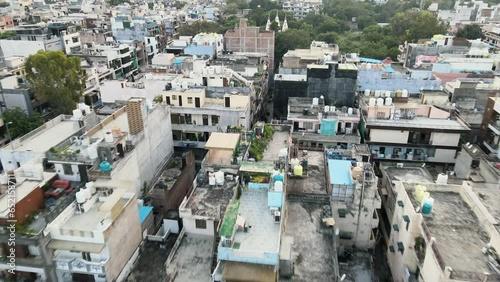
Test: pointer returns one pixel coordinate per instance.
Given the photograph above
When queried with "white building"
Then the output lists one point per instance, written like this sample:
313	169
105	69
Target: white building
214	39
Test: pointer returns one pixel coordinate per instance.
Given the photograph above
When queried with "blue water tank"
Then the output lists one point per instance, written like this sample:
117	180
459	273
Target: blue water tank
427	206
278	177
105	167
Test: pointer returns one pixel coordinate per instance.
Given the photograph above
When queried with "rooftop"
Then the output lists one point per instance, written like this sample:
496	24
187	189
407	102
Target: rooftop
23	189
279	141
191	261
311	243
408	174
315	180
490	197
224	141
343	138
45	137
419	122
263	234
459	236
210	201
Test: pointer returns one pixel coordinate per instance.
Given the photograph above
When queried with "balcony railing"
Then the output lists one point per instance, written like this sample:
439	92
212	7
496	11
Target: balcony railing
491	146
495	127
80	265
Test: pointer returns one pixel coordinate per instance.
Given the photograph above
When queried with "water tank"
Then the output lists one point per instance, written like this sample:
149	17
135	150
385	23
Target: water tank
304	163
278	186
92	152
219	177
283	152
372	102
442	178
38	171
333	109
105	167
367	92
356	172
278	177
297	170
116	131
294	162
90	185
388	101
404	93
350	111
369	66
427	206
108	137
327	109
202	178
77	114
377	93
380	102
86	193
315	101
211	179
399	93
4	178
80	197
85	141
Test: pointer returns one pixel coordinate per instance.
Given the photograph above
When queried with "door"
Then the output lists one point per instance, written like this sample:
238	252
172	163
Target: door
197	102
180	101
205	119
227	102
168	100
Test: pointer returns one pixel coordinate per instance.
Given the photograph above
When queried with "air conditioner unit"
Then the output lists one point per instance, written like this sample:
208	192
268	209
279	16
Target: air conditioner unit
400	165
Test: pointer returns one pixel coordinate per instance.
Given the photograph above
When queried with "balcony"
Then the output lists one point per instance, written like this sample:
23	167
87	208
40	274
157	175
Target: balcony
72	264
196	127
491	146
495	127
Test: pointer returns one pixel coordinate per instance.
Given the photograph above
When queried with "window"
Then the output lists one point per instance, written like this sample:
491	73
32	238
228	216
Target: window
174	97
407	220
401	247
345	235
190	100
215	120
67	169
395	227
401	204
391	248
86	256
342	213
201	224
308	125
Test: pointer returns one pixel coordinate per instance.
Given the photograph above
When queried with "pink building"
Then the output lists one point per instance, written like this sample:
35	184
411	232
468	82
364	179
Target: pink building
6	22
251	39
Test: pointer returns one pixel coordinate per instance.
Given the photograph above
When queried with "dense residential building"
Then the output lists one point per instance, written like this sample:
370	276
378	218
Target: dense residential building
402	129
490	129
121	58
250	39
300	9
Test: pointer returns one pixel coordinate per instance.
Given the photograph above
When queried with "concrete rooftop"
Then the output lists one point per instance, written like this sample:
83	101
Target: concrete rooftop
278	142
263	233
420	122
312	248
459	236
191	261
409	174
489	196
315	180
211	201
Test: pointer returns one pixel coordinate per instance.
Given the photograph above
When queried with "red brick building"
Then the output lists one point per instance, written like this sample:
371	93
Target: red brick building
250	39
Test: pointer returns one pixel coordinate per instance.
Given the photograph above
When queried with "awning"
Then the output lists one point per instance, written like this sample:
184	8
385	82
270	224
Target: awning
238	271
75	246
262	167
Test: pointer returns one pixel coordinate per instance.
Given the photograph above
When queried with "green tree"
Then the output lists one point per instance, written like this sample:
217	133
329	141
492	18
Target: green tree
470	31
274	26
8	34
57	79
290	40
21	122
197	27
328	37
413	25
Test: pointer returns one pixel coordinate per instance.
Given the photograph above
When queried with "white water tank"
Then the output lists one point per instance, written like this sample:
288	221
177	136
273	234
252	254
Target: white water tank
404	93
377	93
367	92
350	111
4	178
108	137
387	94
85	141
219	177
278	186
294	162
442	178
211	179
332	109
86	193
388	101
77	114
327	109
372	102
90	186
380	102
369	66
315	101
80	197
92	152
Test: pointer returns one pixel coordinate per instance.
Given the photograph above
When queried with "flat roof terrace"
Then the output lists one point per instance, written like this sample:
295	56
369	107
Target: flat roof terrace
420	123
408	174
191	261
315	180
459	236
263	233
279	141
210	201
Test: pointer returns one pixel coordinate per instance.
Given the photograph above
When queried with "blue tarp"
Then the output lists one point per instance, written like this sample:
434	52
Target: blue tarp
328	127
179	60
369	60
144	212
200	50
389	69
340	172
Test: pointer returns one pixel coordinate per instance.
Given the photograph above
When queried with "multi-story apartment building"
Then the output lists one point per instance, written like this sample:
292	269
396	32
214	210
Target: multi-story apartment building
121	58
133	28
407	130
197	112
250	39
490	127
300	9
